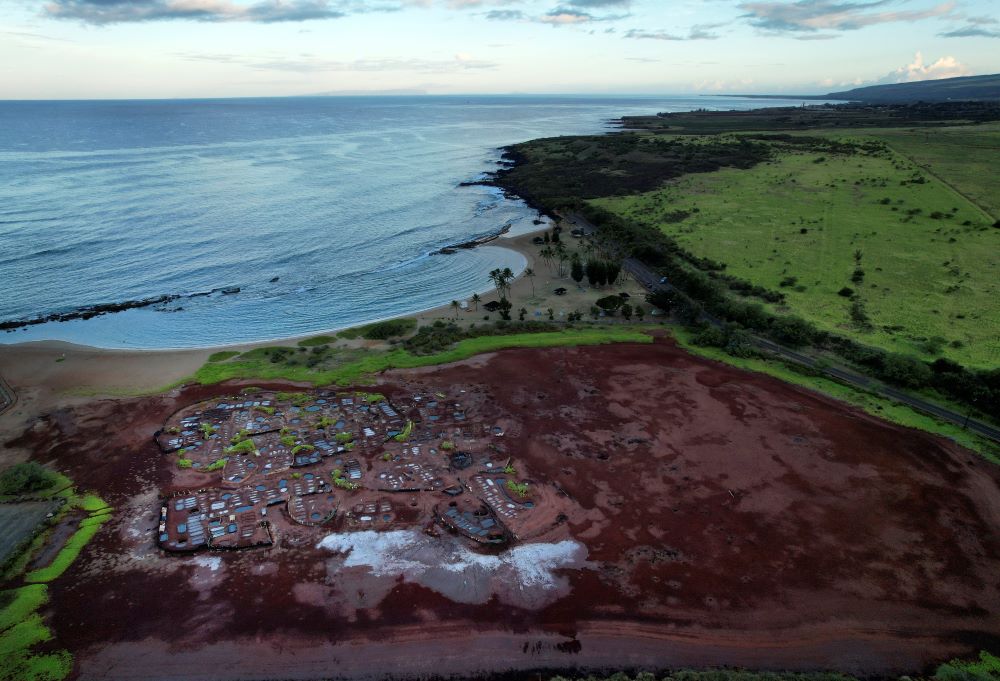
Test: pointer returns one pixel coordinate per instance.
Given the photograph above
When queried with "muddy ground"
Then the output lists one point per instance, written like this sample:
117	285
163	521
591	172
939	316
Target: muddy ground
722	518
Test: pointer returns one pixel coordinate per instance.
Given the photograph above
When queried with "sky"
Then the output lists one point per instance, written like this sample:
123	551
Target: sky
83	49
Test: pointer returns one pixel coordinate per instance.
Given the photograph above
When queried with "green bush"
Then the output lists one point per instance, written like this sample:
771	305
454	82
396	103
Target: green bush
390	328
242	447
26	477
986	668
405	435
519	488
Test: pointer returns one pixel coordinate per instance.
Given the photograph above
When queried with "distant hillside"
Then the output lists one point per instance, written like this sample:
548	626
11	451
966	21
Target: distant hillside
967	88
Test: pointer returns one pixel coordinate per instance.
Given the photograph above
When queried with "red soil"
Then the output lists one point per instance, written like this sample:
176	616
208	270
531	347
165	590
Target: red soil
729	518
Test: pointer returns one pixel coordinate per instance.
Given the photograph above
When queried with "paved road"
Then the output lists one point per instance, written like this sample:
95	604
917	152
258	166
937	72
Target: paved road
652	281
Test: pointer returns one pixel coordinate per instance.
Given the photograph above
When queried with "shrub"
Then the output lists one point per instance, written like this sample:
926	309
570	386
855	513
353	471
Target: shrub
846	292
739	343
986	668
710	337
519	488
792	331
242	447
29	476
316	341
609	303
405	435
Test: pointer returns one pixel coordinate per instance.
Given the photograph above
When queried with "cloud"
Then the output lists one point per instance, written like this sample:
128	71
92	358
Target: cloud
506	15
970	32
945	67
696	32
599	4
308	63
35	36
568	16
722	85
809	16
103	12
973	29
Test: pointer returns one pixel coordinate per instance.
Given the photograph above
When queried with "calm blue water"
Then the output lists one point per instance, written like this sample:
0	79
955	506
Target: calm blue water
341	198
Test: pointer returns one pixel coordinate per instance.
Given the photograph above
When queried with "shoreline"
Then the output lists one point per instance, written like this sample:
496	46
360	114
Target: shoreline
515	244
46	375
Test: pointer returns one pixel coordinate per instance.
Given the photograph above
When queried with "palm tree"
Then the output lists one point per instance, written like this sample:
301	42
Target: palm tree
547	255
495	278
475	300
563	259
530	274
454	306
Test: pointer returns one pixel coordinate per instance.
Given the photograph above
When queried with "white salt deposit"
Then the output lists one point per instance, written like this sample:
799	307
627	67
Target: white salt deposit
524	575
213	563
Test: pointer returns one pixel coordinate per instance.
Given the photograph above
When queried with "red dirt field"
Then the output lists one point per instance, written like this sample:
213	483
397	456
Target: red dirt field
727	519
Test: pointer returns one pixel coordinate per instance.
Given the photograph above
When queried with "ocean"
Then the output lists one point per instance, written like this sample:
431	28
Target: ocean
324	212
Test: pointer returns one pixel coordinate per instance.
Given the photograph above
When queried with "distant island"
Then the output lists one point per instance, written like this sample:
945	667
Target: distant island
966	88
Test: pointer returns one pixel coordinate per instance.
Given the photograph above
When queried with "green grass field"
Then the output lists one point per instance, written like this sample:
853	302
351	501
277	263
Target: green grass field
360	366
964	157
931	259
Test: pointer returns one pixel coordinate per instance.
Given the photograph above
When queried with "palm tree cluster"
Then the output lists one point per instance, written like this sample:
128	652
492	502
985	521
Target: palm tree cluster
556	258
501	279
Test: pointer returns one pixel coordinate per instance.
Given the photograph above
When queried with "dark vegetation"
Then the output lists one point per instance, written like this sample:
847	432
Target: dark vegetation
390	328
561	174
441	336
985	668
26	477
828	116
563	169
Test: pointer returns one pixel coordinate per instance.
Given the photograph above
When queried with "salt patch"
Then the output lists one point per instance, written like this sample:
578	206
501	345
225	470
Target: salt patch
213	563
524	575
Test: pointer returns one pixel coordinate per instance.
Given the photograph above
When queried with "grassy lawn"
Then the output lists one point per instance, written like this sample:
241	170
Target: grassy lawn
931	284
964	157
359	366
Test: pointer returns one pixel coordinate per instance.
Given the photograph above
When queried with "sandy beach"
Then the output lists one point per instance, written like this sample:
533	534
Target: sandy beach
48	375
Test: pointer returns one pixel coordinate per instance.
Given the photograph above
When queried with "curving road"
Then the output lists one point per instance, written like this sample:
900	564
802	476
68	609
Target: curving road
651	279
